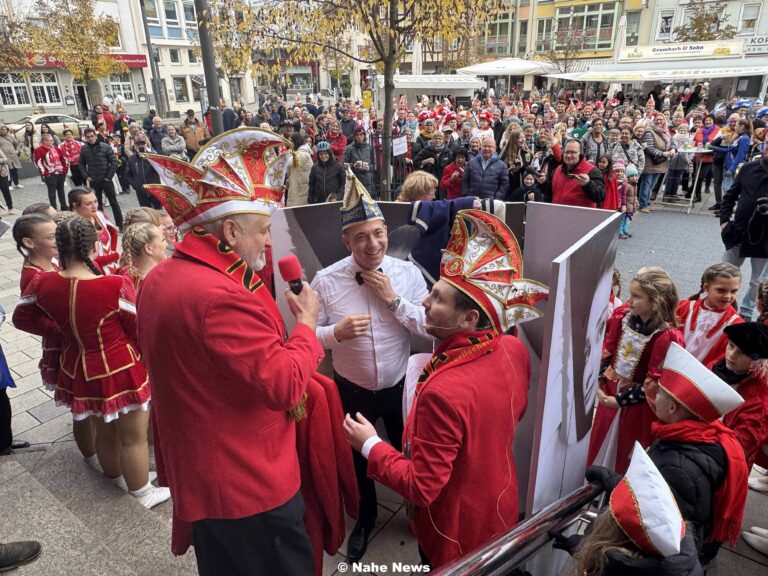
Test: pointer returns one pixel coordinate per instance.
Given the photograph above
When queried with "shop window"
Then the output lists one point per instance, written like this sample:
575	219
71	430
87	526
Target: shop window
180	89
13	89
45	87
121	85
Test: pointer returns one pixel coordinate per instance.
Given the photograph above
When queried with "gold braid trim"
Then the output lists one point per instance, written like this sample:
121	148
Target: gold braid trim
299	412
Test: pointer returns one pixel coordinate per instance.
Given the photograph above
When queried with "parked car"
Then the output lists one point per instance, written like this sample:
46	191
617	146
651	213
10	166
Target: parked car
57	122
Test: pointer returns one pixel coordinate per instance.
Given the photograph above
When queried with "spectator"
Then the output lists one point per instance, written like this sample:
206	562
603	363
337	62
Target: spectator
53	169
434	157
128	142
156	135
193	131
747	235
529	191
679	164
486	175
70	149
450	183
425	135
122	123
576	182
230	118
174	145
465	136
98	164
628	150
337	140
298	172
657	143
594	143
4	184
140	172
736	153
703	136
326	178
347	124
11	147
418	186
147	122
358	155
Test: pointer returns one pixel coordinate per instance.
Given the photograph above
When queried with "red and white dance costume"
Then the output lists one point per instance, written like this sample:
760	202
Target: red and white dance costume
750	420
108	256
49	361
101	372
703	329
635	356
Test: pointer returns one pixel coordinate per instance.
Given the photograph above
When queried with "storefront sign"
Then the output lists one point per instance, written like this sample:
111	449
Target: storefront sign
757	44
129	60
723	49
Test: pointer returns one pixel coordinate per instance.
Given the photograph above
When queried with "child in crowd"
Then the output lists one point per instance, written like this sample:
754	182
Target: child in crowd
529	190
641	533
680	163
614	301
745	368
628	202
636	342
35	237
611	201
704	315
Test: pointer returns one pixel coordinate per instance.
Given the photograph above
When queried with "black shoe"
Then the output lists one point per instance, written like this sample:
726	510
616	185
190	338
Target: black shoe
358	542
715	206
19	445
697	199
6	452
15	554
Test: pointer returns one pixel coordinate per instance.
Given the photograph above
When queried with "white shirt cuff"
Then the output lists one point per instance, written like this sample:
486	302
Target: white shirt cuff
326	337
369	444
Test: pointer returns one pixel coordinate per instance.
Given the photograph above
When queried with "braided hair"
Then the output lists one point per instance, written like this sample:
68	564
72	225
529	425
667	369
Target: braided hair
142	214
38	208
24	227
719	270
662	293
135	238
75	238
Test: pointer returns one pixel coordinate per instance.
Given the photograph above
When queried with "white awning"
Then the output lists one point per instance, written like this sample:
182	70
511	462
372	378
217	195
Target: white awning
431	82
509	67
649	71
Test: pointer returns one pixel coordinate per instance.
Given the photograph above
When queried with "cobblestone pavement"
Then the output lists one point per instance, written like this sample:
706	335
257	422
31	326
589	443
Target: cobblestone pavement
683	244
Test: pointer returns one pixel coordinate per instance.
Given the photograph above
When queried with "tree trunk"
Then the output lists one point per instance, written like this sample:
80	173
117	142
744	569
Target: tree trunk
386	140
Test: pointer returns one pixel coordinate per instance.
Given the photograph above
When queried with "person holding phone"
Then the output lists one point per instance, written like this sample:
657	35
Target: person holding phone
576	182
358	156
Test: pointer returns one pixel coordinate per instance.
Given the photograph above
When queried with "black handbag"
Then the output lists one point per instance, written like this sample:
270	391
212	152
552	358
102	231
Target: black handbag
731	236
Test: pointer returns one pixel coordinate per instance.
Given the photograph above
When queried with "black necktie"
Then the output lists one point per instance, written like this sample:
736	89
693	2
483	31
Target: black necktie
359	276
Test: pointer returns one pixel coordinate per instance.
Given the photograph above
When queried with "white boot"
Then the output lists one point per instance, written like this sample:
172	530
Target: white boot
757	542
150	496
120	481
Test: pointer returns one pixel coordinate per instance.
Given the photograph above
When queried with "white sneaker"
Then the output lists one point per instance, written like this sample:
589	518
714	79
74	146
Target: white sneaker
762	532
10	187
758	484
758	543
19	185
150	496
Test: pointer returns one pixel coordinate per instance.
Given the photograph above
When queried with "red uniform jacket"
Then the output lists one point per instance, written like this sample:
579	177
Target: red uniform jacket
716	335
461	476
328	482
224	376
750	420
49	361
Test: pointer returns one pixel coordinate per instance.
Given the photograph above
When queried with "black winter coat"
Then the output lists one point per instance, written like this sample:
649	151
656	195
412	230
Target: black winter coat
360	153
694	472
98	161
686	563
326	178
749	229
442	158
140	172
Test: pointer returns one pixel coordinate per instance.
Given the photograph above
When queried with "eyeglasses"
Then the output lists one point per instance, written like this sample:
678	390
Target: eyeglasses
170	228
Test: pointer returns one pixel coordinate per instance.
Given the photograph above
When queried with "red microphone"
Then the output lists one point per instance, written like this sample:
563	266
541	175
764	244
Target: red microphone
290	270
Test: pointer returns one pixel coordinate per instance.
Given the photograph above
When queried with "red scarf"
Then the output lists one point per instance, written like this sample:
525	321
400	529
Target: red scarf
731	497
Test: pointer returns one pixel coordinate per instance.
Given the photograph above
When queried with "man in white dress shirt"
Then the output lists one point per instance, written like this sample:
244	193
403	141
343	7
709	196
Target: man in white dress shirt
369	305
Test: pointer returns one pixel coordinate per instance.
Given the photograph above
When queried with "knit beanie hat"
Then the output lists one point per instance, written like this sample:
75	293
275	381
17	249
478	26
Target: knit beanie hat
631	170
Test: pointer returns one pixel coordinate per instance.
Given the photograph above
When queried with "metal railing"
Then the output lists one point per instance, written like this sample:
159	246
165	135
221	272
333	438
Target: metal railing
509	551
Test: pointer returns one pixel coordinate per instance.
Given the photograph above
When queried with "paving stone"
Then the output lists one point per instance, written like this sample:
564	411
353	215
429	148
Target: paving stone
23	402
25	384
50	431
48	410
16	358
20	423
9	468
26	368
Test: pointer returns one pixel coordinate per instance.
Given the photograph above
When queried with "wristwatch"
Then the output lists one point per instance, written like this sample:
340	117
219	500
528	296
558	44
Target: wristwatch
394	304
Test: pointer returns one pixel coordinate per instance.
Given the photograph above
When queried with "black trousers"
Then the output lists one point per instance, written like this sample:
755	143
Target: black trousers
14	176
6	436
106	187
265	544
386	404
55	185
5	188
77	176
146	199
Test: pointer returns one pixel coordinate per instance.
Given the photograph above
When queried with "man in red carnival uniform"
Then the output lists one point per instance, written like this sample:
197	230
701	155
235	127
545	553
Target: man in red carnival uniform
226	377
456	469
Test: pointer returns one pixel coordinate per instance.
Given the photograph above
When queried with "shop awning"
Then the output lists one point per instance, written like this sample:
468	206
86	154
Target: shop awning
509	67
430	82
662	71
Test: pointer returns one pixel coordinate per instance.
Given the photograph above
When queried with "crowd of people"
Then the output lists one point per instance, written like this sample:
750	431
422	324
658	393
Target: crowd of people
685	380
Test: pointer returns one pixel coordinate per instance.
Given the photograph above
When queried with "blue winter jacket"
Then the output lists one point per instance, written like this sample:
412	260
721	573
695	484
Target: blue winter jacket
735	154
491	182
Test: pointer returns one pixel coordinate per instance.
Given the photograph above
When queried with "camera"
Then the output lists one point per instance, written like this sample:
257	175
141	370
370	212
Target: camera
762	205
